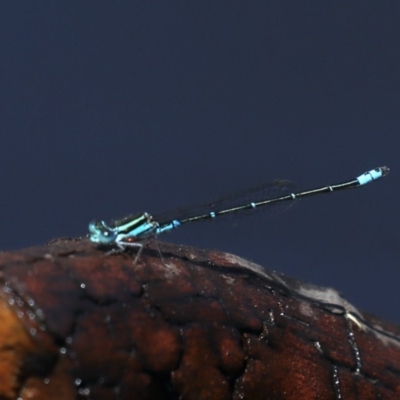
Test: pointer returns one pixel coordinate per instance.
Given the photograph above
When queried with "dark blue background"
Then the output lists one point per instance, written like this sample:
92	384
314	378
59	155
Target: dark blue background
109	108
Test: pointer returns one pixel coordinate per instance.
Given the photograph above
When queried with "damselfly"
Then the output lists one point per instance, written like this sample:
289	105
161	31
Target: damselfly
133	230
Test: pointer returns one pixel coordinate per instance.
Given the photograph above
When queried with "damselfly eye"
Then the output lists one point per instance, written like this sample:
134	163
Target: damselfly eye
101	233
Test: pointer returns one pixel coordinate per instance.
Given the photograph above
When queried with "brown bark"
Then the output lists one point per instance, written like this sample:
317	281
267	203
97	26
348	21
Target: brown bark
77	323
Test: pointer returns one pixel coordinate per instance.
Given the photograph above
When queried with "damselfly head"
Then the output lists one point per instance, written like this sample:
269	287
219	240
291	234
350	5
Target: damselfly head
100	232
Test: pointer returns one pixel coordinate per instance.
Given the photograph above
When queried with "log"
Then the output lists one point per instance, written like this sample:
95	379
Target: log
78	323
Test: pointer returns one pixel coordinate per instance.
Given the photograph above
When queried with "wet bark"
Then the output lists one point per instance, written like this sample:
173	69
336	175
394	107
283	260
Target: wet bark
77	323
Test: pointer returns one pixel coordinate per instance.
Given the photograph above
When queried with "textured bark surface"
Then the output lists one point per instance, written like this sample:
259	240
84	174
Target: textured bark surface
77	323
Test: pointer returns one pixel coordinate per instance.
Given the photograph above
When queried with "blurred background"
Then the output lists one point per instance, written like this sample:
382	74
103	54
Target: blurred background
111	108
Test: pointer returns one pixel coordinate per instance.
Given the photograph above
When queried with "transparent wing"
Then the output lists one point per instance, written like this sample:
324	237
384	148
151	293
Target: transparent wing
271	190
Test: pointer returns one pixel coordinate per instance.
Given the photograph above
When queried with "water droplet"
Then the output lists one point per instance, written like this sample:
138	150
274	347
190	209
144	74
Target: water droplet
84	392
